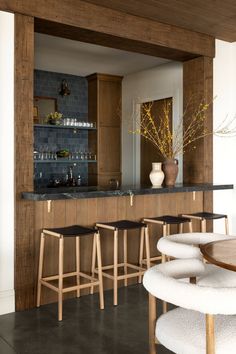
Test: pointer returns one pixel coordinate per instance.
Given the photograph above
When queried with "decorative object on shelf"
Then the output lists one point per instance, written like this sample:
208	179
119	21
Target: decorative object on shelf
54	118
170	168
156	175
63	153
171	144
64	89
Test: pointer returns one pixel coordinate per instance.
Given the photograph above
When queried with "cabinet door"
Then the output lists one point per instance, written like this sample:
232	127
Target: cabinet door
109	150
109	103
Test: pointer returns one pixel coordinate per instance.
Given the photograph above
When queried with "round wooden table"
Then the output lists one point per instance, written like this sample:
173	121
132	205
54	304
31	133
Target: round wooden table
221	253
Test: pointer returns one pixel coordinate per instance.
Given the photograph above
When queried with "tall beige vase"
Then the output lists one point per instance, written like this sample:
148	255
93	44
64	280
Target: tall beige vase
156	175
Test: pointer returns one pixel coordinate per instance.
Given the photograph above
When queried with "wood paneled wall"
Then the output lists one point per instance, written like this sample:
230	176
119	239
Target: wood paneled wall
24	210
87	212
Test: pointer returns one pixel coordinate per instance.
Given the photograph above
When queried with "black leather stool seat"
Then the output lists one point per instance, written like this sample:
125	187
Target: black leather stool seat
169	219
124	224
72	231
208	216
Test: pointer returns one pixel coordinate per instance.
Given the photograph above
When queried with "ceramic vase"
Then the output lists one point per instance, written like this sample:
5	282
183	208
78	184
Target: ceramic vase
156	175
170	169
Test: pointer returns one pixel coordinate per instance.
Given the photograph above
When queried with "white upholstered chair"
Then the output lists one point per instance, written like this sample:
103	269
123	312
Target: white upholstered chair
205	320
185	245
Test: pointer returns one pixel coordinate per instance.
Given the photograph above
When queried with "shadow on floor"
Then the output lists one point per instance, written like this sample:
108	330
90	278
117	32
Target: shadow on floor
84	330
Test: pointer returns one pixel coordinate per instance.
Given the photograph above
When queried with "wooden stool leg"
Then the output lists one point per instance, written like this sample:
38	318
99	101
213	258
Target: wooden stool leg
115	274
181	228
226	226
125	256
99	261
141	253
40	271
77	240
141	249
147	243
190	226
203	225
164	230
152	324
60	280
168	229
210	334
93	261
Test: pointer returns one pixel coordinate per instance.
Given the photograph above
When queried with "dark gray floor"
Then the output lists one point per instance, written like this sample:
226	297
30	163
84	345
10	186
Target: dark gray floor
84	330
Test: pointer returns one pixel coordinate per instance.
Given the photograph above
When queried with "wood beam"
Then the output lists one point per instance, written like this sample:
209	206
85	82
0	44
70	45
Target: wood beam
198	163
198	88
24	210
116	25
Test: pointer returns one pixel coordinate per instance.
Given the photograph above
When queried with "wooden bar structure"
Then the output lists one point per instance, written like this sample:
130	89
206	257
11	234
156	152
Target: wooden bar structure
80	20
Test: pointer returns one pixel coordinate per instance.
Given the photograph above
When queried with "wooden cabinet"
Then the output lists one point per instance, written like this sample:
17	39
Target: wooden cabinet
104	107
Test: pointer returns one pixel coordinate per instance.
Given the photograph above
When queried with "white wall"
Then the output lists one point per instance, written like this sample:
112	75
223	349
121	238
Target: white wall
224	160
7	296
160	82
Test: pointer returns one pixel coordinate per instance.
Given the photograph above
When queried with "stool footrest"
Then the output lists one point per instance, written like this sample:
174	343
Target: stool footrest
122	265
157	258
93	282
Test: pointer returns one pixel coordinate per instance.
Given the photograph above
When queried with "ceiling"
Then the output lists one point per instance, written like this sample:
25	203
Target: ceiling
82	59
213	17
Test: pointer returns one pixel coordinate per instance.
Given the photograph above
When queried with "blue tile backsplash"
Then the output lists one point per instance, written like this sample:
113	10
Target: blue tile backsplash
51	139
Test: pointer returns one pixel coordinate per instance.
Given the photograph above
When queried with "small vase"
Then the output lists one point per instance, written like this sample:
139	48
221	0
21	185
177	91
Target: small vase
156	175
170	168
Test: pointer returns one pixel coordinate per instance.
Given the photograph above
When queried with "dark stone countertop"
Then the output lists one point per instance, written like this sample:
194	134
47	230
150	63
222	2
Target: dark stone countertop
103	192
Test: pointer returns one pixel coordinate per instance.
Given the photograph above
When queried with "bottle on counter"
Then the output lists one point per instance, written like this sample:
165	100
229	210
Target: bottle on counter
79	181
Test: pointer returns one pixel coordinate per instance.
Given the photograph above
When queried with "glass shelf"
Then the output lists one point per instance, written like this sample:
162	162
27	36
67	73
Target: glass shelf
65	161
62	127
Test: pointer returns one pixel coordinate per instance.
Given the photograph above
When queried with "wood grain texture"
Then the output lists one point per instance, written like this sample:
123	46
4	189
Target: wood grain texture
221	253
198	88
116	24
24	210
216	18
104	107
87	212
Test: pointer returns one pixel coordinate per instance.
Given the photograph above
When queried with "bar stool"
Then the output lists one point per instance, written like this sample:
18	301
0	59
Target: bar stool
116	226
61	233
166	221
204	216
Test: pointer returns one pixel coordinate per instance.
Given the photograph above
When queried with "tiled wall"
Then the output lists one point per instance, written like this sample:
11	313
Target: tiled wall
75	105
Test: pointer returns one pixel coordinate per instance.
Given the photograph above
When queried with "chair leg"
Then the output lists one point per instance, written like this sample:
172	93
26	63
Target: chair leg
115	286
77	240
168	229
93	262
190	226
125	256
99	260
152	324
141	253
181	228
40	271
147	243
203	225
226	226
60	280
164	230
210	334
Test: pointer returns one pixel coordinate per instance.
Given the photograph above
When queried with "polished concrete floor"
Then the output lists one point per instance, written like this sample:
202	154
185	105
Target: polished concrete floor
84	330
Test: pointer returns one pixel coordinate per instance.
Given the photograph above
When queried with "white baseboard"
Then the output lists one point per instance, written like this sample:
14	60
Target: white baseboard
7	301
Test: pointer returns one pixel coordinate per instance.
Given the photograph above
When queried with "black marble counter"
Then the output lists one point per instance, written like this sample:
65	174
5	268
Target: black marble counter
103	192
